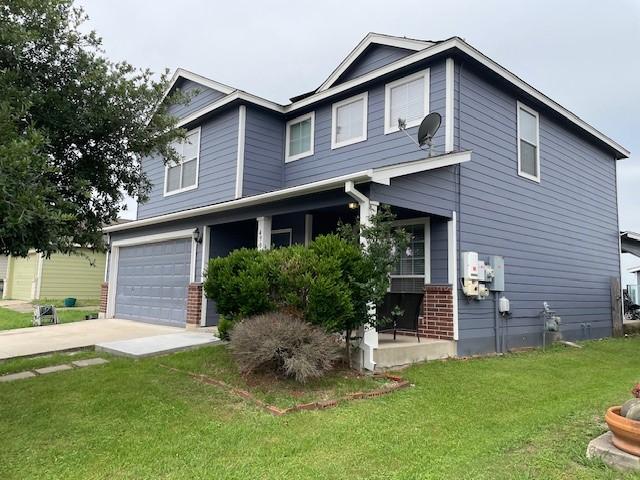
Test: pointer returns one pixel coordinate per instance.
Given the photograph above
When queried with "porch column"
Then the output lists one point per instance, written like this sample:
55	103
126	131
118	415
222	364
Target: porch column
367	332
264	233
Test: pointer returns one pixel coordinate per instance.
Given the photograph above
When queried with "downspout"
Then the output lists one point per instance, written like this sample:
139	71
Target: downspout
369	335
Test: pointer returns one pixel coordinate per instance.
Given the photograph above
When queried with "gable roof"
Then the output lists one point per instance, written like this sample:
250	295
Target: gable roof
182	73
329	89
372	38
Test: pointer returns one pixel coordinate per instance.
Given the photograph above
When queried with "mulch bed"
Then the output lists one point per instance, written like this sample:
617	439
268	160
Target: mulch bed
397	383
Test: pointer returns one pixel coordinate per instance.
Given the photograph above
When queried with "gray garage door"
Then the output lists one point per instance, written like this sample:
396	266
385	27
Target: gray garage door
152	282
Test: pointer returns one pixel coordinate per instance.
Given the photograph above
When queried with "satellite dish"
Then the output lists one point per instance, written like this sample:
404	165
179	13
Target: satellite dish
428	128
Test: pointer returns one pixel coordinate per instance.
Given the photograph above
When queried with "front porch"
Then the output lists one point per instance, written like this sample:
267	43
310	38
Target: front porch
419	285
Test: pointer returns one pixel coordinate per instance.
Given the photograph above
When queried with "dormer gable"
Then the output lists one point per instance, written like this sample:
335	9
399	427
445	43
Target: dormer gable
203	91
374	51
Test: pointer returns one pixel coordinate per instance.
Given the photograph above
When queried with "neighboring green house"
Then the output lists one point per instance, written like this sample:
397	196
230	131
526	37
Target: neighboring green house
60	276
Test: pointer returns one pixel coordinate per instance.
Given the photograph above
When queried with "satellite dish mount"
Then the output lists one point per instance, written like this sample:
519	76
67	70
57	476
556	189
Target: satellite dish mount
427	130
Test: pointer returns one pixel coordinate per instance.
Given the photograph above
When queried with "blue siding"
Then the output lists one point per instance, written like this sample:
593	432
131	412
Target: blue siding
375	56
378	150
202	96
263	152
559	238
439	250
432	192
217	171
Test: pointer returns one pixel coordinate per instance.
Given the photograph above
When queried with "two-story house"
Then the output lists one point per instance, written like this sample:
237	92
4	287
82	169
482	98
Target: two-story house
512	174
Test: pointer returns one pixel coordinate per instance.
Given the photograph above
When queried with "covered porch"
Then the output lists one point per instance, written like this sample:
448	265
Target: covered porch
421	284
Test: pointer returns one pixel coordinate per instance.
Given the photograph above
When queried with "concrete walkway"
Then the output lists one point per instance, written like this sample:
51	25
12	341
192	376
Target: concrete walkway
158	344
23	342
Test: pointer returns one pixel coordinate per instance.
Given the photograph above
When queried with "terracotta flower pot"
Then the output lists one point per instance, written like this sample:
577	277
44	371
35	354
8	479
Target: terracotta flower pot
626	433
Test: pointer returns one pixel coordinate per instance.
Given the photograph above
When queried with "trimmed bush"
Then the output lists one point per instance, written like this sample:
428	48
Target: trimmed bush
283	344
224	327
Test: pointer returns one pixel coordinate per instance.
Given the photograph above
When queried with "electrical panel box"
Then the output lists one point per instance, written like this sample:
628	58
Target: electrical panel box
504	305
470	265
497	265
482	277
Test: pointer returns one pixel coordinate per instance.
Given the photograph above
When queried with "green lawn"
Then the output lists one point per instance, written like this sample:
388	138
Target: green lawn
526	415
59	303
10	319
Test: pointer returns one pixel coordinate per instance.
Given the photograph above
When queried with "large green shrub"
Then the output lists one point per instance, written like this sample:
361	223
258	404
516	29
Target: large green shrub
325	284
239	283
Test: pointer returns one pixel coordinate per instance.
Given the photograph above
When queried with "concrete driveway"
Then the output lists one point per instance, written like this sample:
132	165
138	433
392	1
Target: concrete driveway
23	342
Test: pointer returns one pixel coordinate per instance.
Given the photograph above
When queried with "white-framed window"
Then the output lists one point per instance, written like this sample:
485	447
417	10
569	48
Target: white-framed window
300	133
408	99
415	261
183	176
349	121
528	143
281	238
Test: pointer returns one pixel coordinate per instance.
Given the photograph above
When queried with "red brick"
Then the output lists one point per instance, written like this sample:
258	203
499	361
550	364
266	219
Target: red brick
194	303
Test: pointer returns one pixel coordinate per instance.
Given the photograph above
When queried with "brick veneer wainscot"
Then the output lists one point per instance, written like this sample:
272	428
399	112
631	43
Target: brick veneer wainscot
104	295
194	303
436	320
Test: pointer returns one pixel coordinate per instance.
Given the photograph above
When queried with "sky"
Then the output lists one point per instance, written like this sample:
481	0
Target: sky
583	54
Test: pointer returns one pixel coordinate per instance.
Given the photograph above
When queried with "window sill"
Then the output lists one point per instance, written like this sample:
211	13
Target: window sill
529	177
293	158
347	142
182	190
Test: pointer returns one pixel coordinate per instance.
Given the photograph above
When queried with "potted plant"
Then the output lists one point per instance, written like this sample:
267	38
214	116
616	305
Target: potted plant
624	423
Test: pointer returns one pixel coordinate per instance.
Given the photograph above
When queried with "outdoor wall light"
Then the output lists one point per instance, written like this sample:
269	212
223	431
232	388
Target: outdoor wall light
353	205
197	236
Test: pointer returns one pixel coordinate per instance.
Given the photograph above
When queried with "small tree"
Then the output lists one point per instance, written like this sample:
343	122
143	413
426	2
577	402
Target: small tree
381	244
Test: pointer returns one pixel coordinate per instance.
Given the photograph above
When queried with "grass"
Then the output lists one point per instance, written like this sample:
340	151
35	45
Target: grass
217	363
10	319
527	415
30	363
59	302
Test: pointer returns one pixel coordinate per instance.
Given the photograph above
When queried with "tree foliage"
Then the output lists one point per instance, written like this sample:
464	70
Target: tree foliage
73	126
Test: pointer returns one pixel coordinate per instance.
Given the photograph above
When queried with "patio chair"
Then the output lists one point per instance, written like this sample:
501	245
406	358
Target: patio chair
407	319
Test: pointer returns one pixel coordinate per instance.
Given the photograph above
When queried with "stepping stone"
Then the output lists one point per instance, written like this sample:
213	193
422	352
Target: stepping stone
16	376
55	368
89	361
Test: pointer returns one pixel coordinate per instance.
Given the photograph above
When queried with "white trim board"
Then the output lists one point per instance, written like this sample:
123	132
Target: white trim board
154	238
194	77
242	125
449	115
381	175
452	268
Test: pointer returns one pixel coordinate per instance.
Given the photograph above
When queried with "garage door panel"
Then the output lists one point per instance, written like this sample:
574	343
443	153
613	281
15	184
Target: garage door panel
152	281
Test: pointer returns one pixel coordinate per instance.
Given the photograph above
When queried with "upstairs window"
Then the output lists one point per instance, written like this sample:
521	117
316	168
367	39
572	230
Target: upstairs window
299	140
183	176
349	121
407	99
528	143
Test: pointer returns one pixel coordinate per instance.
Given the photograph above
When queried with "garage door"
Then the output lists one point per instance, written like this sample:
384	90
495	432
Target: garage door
152	282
